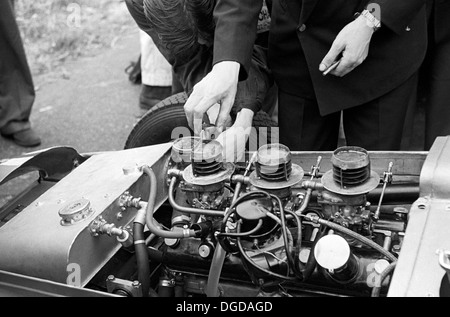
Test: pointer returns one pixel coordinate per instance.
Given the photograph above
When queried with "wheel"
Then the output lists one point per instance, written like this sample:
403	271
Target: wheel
159	123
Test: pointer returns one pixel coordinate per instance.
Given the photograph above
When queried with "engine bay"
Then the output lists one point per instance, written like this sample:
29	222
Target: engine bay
176	220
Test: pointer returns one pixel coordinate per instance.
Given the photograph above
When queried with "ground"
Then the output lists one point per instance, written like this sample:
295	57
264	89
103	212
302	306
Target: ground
85	101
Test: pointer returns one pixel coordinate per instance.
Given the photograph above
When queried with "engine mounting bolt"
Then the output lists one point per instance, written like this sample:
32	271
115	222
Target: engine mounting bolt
205	251
136	284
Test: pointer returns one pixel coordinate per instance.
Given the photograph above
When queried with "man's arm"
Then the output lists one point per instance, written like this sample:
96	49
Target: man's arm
354	40
234	37
235	34
208	78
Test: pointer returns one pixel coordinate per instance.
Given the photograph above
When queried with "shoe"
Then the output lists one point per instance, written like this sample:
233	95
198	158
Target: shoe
151	95
25	138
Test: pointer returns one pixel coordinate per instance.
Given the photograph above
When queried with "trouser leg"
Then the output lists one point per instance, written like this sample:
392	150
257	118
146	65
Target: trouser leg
156	74
438	106
16	85
378	125
302	128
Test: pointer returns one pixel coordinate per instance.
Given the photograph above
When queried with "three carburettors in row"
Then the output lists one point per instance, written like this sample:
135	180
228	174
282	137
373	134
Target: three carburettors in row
276	228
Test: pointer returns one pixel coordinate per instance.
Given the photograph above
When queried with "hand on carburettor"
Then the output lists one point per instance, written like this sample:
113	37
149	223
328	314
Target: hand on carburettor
234	139
352	43
218	87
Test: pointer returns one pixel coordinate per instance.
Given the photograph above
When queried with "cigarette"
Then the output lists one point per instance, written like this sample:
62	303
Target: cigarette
331	68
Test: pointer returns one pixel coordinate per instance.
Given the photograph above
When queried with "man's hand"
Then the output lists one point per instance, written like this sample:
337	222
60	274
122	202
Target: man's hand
219	86
353	44
235	138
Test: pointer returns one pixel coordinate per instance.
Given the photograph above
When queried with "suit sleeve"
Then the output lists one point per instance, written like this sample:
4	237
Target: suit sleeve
236	24
397	14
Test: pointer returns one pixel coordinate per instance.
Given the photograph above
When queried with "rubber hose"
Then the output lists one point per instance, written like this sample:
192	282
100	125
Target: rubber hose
359	237
143	265
149	220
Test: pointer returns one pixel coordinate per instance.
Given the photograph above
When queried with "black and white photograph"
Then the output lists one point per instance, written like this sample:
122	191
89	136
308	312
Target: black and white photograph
227	155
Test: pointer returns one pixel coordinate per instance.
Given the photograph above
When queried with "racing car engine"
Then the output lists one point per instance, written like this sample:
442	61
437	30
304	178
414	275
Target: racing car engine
282	232
177	220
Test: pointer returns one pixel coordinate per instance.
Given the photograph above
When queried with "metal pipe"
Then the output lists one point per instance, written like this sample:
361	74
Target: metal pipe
310	185
387	179
396	193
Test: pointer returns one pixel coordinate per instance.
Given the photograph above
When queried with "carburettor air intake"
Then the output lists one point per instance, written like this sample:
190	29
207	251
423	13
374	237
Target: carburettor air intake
351	173
274	163
274	169
207	159
351	166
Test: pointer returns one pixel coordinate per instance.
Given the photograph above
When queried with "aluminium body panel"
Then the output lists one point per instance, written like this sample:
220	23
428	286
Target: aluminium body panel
35	243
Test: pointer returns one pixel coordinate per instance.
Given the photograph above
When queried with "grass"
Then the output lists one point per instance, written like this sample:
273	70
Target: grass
54	31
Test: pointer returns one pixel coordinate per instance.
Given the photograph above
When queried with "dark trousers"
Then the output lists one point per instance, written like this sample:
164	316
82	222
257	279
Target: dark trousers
16	85
377	125
437	110
436	71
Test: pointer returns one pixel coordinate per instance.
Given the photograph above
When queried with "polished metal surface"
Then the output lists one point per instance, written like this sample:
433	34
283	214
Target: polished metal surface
418	272
51	163
330	184
223	175
16	285
34	242
332	252
76	211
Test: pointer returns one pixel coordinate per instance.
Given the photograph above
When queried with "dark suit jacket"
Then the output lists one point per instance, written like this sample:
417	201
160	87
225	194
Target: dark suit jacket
295	52
440	11
233	41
